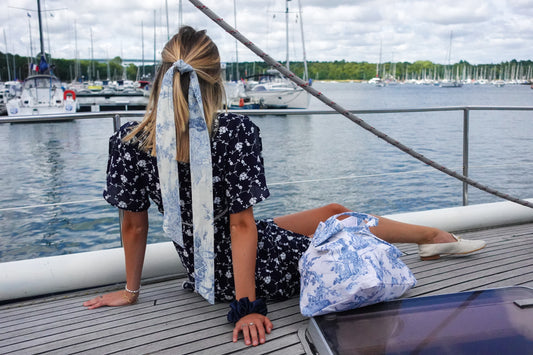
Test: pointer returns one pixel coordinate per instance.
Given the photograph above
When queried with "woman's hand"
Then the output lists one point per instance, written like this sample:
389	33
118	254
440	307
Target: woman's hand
134	234
253	327
113	299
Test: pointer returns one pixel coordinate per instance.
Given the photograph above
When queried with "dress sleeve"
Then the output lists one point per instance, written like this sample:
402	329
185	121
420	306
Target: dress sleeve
126	186
245	173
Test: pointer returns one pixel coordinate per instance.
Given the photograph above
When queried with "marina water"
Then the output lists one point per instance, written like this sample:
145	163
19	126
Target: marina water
58	169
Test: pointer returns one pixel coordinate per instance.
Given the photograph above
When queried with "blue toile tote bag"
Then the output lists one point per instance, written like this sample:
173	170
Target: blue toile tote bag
346	267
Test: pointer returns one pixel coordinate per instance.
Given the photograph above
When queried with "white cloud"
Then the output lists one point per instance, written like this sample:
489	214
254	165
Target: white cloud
409	30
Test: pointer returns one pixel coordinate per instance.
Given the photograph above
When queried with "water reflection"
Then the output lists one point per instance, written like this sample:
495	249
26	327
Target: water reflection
331	158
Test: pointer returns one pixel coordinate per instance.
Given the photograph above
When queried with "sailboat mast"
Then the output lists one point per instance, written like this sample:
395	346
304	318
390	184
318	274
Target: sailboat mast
31	41
142	45
40	26
236	43
379	62
166	10
306	73
449	69
450	49
91	77
180	14
7	58
287	31
108	67
77	64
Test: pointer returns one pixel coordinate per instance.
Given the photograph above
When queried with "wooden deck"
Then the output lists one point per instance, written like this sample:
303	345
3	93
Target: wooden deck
170	320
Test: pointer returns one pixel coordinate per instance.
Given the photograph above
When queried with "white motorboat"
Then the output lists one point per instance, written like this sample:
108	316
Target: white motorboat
272	90
42	95
450	84
377	81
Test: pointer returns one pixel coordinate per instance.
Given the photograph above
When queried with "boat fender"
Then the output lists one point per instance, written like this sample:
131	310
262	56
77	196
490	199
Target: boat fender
68	93
241	102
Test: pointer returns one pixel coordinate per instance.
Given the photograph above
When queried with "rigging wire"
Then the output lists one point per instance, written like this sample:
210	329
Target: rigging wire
282	183
305	85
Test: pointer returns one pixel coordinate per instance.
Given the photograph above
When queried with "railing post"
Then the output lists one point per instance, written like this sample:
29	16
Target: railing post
466	123
116	122
116	126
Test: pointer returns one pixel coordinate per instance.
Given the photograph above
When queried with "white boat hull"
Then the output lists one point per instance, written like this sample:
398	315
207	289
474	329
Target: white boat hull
15	108
292	98
42	95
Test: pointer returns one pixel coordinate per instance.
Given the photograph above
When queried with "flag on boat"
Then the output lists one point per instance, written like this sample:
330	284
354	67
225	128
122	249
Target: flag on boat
34	67
43	65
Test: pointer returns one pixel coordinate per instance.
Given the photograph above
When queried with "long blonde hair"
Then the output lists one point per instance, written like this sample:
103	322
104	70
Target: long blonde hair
198	50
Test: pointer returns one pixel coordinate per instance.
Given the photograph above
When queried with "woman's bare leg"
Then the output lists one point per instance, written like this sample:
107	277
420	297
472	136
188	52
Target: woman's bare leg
398	232
305	223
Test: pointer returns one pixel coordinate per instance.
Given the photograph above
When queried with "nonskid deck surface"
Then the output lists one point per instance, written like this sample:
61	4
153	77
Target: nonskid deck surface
168	319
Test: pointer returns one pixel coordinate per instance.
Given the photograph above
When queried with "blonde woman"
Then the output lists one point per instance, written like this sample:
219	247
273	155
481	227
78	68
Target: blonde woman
206	170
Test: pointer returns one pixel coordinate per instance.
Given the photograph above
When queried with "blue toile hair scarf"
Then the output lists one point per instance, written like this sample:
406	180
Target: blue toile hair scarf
201	177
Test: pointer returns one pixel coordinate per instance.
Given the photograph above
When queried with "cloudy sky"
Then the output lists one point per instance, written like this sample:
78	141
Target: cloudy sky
484	31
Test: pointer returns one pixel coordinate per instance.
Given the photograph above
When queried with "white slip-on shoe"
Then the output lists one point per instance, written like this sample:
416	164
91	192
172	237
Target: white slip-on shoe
462	246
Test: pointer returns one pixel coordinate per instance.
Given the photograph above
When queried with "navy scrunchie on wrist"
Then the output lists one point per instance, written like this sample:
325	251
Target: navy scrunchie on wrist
244	307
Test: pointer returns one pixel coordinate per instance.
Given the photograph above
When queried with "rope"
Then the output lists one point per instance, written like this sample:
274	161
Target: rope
305	85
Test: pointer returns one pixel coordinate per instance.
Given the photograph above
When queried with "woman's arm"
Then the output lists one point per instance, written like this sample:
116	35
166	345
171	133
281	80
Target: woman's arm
134	235
244	253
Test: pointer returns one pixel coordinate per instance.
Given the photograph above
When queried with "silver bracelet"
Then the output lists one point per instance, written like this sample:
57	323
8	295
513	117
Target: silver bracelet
131	291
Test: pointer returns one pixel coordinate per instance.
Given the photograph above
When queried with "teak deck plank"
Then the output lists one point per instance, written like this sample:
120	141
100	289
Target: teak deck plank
168	319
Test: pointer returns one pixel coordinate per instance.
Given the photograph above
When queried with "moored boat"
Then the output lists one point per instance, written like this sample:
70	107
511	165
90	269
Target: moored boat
450	84
244	103
111	99
42	95
377	81
272	90
3	99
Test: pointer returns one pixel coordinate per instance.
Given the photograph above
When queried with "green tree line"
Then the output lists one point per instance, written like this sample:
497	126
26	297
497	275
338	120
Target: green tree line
343	70
71	70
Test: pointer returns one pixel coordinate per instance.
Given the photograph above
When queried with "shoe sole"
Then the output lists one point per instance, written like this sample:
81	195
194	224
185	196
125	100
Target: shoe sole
435	257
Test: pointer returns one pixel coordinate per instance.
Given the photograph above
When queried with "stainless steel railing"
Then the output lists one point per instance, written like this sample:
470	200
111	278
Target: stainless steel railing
118	115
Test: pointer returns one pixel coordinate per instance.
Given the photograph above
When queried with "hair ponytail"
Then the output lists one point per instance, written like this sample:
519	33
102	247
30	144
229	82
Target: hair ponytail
198	50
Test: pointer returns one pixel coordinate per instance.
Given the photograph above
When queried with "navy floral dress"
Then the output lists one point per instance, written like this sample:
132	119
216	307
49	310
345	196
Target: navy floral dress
238	183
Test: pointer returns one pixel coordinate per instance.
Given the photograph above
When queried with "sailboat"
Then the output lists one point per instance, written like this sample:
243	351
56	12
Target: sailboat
377	81
448	82
271	89
42	93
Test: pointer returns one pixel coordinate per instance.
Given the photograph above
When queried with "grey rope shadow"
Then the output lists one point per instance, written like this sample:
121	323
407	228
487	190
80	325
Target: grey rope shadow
305	85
